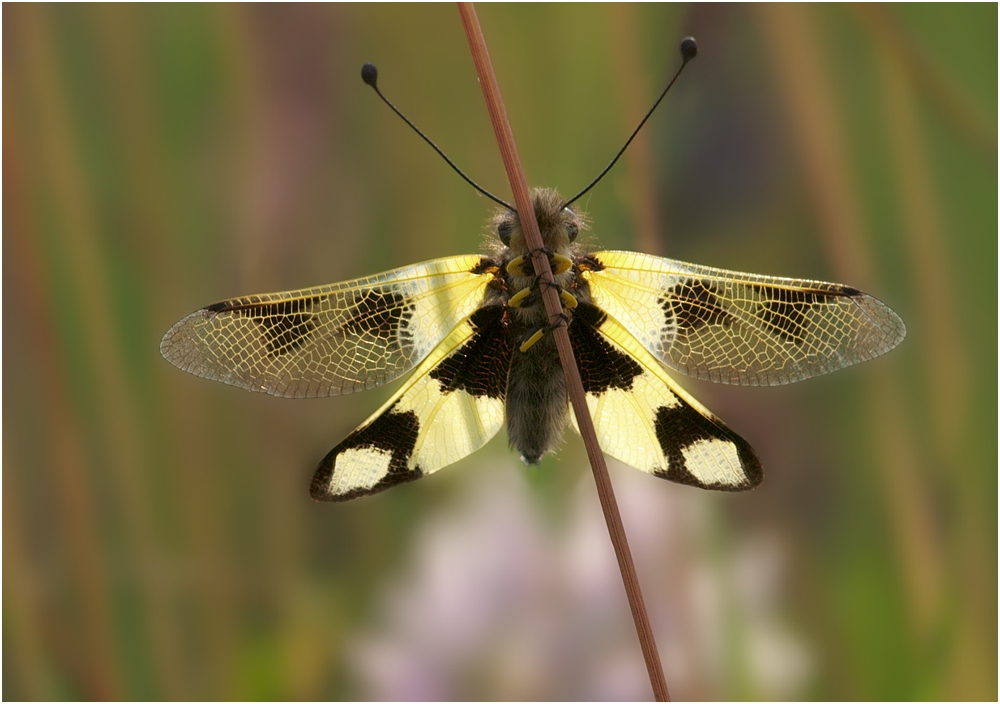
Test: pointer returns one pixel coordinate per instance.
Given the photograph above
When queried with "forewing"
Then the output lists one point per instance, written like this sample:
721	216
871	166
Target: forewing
333	339
645	420
452	405
738	328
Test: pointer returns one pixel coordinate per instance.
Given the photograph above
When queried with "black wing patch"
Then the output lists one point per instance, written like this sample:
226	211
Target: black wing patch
695	304
602	365
285	325
680	429
783	310
480	366
390	438
379	312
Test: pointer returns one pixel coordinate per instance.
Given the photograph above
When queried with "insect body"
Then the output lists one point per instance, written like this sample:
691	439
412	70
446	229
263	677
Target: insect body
473	327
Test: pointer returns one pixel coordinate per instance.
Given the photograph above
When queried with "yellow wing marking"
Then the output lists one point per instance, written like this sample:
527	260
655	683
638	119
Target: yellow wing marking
450	407
740	328
333	339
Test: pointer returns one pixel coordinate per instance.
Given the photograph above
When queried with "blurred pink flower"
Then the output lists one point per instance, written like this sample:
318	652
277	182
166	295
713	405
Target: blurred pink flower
498	603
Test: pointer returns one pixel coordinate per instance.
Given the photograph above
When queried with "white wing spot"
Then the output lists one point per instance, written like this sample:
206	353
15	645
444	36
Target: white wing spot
713	461
359	468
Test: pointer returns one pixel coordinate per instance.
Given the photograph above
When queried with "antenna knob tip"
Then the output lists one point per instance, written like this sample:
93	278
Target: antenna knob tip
369	74
689	48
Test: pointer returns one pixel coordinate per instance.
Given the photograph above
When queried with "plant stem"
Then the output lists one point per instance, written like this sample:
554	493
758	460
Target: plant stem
522	198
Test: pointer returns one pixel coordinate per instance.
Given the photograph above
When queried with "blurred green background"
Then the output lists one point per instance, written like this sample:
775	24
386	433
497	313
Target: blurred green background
158	537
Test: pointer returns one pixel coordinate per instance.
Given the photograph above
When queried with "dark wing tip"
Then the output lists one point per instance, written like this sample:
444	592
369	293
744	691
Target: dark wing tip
319	487
696	445
751	465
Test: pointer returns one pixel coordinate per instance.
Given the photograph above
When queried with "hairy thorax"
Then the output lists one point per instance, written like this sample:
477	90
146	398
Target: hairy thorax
559	228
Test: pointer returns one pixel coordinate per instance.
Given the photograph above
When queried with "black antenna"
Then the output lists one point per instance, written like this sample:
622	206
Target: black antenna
689	49
369	74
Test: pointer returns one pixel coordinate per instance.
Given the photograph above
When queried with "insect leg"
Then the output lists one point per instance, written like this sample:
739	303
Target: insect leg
539	332
522	266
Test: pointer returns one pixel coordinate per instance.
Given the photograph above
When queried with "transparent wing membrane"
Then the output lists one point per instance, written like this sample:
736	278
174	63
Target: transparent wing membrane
333	339
739	328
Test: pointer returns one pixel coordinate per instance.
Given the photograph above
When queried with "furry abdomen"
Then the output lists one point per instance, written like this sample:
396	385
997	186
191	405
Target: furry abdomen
536	400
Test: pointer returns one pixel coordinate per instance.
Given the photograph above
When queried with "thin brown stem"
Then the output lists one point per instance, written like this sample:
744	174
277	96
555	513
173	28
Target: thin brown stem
522	198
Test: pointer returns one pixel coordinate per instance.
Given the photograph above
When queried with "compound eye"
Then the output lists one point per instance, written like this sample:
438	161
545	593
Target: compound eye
504	230
572	230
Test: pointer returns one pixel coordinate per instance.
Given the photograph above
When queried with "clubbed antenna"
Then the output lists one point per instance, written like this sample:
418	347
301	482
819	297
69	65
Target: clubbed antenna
369	74
689	49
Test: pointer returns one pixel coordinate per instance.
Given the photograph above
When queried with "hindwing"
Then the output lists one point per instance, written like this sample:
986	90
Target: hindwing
644	419
738	328
333	339
451	406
